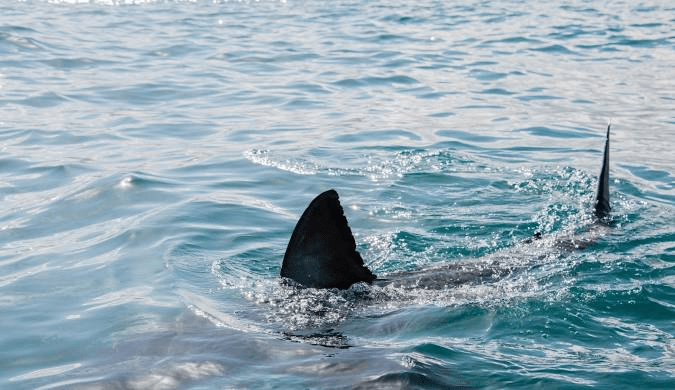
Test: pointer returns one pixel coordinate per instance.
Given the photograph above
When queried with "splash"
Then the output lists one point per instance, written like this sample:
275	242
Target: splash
376	167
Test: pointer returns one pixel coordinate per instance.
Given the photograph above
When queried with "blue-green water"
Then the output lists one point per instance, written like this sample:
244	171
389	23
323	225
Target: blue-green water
154	158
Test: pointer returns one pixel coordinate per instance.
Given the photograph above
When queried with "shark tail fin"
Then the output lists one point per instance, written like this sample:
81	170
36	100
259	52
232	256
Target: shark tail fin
322	251
602	207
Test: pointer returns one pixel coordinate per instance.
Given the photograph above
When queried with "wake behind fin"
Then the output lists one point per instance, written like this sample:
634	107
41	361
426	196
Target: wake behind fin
602	207
322	251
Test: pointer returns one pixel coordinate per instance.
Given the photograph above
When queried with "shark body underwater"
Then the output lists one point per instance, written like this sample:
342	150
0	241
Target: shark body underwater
322	251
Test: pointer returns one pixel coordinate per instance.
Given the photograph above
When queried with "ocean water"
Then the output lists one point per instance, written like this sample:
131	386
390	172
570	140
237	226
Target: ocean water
156	155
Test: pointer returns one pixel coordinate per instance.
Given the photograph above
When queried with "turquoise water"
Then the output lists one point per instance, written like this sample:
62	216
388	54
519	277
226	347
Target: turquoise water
155	156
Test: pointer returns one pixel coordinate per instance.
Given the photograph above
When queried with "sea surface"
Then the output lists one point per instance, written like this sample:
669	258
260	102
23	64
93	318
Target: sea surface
156	155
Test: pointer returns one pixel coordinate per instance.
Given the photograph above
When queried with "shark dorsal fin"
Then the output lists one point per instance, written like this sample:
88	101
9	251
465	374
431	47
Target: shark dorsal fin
322	251
602	207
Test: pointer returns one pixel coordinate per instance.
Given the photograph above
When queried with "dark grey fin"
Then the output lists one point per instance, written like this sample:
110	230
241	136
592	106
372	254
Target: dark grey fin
602	207
322	251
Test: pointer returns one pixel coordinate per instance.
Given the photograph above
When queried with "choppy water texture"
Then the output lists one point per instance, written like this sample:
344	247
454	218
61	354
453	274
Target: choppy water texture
155	156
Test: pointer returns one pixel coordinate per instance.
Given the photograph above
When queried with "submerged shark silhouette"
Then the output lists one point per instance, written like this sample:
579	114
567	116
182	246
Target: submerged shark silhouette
322	251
